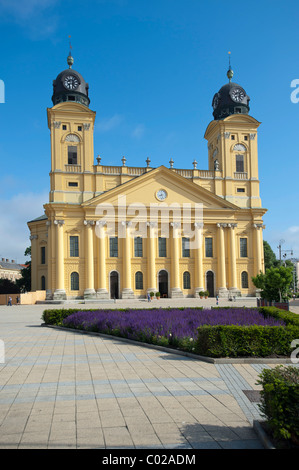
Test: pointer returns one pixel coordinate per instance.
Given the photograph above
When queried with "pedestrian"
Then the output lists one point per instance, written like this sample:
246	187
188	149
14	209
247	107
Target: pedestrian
18	299
9	301
217	298
148	297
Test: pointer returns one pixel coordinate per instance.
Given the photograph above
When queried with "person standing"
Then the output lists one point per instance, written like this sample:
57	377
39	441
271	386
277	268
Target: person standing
9	301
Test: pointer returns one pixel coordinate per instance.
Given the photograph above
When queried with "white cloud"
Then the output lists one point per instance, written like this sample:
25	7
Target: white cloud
14	215
138	131
38	17
108	124
289	237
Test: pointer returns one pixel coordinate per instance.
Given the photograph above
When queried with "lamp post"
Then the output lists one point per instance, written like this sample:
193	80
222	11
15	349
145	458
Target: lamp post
283	252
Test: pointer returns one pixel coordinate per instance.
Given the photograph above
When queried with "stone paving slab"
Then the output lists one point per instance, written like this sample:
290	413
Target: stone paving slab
64	390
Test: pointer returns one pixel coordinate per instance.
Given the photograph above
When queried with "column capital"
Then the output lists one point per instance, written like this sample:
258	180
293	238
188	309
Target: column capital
101	223
199	225
258	226
232	226
89	222
221	225
58	222
33	237
175	224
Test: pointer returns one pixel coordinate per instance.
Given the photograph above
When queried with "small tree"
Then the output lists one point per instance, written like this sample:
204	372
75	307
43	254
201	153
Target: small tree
269	256
24	283
275	283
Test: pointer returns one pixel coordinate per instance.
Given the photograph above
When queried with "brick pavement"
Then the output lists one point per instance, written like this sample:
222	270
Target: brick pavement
60	389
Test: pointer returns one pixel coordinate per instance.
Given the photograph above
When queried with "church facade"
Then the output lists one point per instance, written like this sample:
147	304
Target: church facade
123	232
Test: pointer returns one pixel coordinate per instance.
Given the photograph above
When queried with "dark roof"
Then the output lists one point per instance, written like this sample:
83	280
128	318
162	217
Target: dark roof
42	217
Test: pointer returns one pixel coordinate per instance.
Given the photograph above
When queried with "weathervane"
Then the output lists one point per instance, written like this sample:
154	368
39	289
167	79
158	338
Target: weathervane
230	73
70	59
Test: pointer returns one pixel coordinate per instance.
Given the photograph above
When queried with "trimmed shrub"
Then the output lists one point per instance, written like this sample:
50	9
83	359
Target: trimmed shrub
245	341
280	401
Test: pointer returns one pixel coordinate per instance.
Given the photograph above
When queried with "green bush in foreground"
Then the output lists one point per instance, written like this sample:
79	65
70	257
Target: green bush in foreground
280	401
248	341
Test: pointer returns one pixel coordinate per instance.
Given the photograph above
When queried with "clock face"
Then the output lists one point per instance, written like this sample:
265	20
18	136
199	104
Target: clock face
161	194
71	82
215	101
237	94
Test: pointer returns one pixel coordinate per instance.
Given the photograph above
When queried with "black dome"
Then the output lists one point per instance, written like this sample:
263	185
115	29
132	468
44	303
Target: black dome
70	86
230	99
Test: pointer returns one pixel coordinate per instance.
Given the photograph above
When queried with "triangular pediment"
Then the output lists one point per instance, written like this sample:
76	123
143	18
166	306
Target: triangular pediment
144	189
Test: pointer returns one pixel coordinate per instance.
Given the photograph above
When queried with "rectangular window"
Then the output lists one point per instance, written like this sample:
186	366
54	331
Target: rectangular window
72	155
74	246
209	247
43	255
138	247
162	247
240	163
240	190
243	247
79	128
113	247
73	183
185	247
64	127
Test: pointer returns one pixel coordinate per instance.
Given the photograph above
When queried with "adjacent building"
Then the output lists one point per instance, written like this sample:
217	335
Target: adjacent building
123	232
10	269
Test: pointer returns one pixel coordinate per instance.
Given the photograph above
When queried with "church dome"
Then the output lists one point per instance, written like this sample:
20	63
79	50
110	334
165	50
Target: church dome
230	99
70	86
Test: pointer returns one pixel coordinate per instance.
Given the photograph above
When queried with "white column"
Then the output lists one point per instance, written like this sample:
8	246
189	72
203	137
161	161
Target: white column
175	290
49	262
89	291
233	284
127	292
102	291
60	290
151	257
198	260
222	289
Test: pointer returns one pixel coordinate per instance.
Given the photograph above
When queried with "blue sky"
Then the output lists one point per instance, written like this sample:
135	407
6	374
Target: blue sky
152	68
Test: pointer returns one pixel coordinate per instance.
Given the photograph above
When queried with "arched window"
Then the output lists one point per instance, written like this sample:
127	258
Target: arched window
244	280
43	283
74	281
186	280
138	280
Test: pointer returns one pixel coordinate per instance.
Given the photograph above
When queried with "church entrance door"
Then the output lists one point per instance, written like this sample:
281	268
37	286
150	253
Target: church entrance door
114	285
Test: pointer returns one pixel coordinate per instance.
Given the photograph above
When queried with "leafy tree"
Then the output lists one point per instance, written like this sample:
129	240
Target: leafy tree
269	256
8	287
24	283
275	283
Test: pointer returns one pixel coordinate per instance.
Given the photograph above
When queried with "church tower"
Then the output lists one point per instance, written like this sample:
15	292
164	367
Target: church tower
71	124
232	144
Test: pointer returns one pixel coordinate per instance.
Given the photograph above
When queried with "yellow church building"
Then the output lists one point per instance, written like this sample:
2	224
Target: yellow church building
123	232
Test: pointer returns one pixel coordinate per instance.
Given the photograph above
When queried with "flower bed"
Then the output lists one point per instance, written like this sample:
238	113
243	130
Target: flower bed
227	332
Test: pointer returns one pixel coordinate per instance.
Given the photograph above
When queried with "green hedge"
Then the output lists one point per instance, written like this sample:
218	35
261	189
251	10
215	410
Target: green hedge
248	341
57	315
280	401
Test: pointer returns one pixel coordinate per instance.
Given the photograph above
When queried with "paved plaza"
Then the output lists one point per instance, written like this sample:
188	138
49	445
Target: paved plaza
63	389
